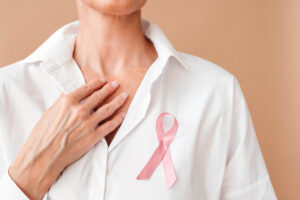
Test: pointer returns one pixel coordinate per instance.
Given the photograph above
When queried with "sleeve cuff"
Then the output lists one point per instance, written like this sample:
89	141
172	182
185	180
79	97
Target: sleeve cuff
261	190
9	190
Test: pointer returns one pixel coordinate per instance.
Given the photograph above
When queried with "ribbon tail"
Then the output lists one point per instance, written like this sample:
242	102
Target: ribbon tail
169	169
152	164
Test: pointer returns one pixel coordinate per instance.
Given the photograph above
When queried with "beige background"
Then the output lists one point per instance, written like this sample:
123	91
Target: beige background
256	40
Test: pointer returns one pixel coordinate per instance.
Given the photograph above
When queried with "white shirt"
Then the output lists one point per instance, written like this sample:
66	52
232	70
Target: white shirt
215	152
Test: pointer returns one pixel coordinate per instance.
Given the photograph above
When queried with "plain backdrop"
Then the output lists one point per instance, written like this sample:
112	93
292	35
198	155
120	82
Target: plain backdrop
256	40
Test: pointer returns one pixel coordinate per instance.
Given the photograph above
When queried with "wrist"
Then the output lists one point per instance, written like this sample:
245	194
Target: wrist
33	182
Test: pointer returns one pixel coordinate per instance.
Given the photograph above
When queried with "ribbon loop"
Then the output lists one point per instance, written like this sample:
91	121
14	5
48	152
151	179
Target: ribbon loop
162	152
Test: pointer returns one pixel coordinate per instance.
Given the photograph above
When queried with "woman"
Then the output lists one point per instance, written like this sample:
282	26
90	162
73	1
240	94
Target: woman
187	133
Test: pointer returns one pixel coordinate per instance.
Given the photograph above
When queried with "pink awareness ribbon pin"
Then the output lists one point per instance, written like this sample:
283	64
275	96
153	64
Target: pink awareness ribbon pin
162	152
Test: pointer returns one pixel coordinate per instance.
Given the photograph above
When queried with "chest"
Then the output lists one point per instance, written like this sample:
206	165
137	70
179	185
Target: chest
129	82
111	174
197	152
131	90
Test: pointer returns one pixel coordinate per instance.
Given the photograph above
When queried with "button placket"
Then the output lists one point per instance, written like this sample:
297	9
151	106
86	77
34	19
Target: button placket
99	175
139	105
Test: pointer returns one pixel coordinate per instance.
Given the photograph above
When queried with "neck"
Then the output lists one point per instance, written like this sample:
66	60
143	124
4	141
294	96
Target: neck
107	44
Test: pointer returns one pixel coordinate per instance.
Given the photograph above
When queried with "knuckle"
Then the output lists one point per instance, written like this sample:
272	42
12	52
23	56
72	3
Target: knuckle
113	105
95	82
120	100
98	82
98	95
111	125
106	109
87	125
66	99
99	132
88	88
115	123
80	112
117	103
120	118
108	88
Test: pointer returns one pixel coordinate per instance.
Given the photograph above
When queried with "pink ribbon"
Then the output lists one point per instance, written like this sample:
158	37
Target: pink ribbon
162	153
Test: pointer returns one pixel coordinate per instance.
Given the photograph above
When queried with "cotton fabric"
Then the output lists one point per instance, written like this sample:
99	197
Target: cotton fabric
215	153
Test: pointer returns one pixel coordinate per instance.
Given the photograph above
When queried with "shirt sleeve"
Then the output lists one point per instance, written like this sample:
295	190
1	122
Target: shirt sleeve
246	176
8	188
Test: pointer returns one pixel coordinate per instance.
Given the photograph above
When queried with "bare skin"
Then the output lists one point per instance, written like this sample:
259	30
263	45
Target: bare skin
111	45
110	30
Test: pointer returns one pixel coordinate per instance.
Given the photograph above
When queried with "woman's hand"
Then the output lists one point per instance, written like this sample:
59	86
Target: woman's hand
65	132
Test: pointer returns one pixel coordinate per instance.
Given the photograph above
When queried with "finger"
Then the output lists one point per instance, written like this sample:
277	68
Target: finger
85	90
109	126
108	109
98	97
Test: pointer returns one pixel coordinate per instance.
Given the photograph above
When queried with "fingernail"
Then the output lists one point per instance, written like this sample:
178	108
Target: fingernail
124	95
102	79
115	83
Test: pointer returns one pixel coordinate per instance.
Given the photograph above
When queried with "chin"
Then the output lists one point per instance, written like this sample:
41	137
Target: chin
115	7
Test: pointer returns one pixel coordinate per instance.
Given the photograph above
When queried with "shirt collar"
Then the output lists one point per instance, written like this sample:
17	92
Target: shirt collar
58	48
56	60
